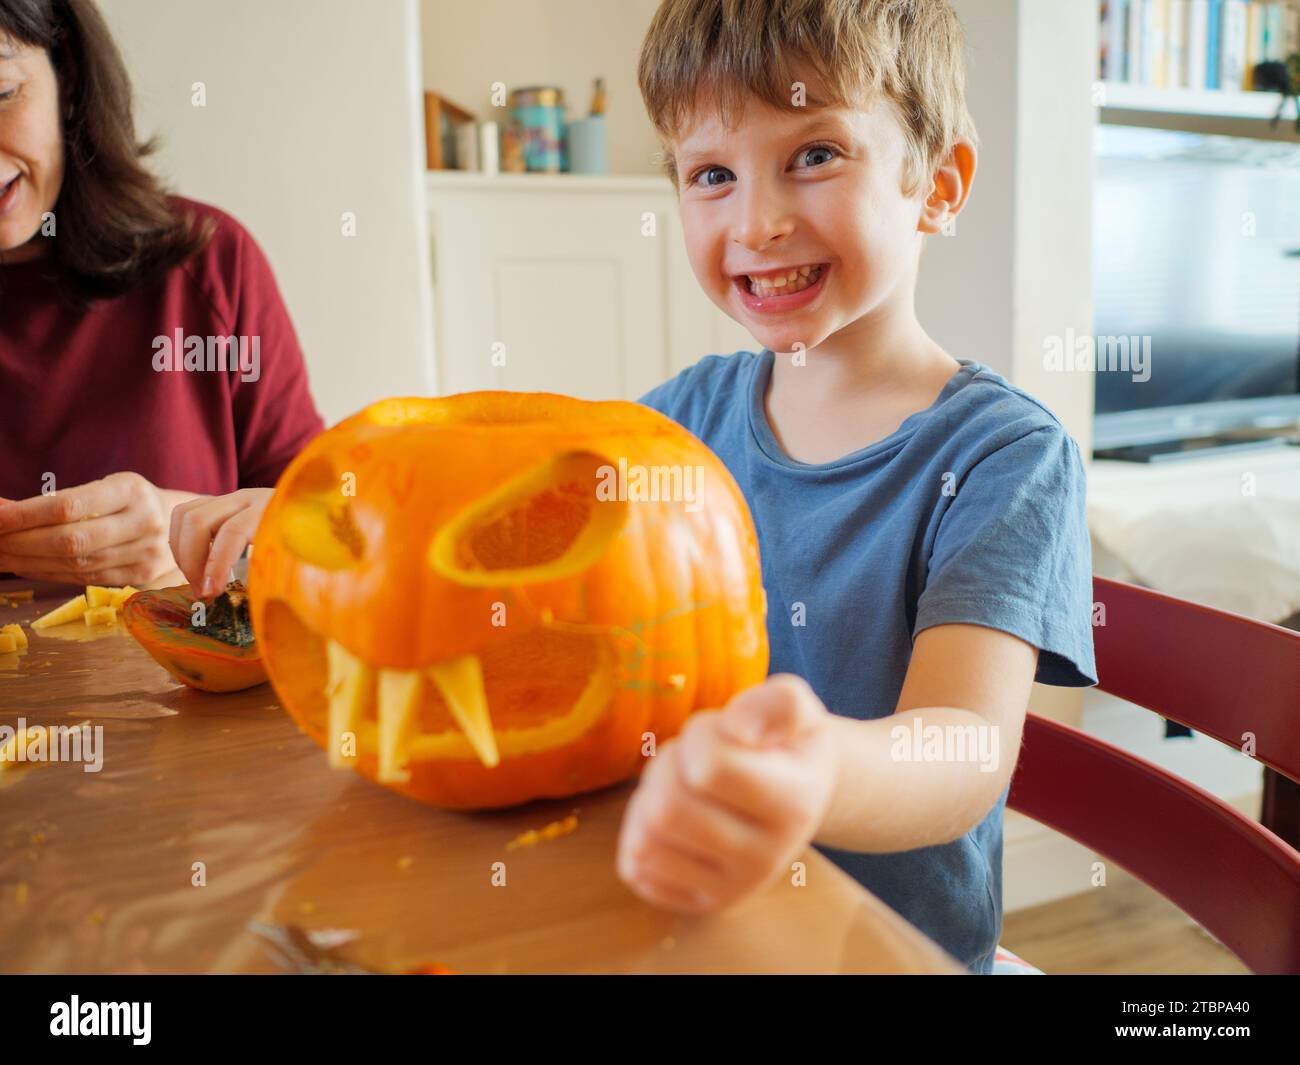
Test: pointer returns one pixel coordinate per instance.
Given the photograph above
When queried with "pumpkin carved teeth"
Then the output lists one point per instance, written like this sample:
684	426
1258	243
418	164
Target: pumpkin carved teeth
351	683
460	681
399	701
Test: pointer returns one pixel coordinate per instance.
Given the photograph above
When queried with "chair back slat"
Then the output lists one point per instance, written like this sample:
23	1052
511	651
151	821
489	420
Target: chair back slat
1229	873
1221	674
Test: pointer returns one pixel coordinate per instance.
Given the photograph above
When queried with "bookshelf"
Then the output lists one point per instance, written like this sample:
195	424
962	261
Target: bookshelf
1188	64
1215	103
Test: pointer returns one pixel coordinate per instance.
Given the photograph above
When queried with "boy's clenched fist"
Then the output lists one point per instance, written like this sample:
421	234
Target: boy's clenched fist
725	806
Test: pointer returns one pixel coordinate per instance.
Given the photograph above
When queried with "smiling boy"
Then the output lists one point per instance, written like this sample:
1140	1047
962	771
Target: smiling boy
921	520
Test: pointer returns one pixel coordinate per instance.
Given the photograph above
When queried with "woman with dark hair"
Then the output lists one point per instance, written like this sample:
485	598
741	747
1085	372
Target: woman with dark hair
146	357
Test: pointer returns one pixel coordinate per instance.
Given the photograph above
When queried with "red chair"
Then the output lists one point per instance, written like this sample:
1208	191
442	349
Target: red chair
1223	675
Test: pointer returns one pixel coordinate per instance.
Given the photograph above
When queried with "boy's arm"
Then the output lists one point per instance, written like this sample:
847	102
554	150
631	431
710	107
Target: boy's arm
960	676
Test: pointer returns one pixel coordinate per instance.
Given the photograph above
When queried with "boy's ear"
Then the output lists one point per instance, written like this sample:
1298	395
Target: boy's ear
951	186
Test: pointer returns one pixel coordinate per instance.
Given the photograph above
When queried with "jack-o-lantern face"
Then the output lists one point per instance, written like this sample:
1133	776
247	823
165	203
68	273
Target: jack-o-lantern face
494	597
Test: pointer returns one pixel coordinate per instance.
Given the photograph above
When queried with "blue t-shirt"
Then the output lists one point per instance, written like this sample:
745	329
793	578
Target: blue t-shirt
972	511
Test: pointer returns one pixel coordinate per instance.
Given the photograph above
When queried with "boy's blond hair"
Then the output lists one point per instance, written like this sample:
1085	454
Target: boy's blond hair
911	52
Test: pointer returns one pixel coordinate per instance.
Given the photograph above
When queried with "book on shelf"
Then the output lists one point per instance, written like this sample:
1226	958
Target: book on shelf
1213	39
1195	44
1155	43
1232	68
1176	45
1133	49
1114	32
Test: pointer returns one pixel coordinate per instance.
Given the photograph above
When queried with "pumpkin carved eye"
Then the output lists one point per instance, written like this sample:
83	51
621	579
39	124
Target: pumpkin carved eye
547	524
318	524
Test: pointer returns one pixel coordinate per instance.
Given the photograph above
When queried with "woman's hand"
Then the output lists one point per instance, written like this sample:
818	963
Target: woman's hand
209	533
111	532
724	808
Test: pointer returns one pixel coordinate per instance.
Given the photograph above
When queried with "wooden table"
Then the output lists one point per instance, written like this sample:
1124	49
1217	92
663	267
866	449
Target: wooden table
97	870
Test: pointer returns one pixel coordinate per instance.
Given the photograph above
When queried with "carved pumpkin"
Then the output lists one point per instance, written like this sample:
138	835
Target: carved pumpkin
222	658
474	601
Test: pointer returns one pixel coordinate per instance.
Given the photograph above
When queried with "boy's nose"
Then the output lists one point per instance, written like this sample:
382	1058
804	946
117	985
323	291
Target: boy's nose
761	218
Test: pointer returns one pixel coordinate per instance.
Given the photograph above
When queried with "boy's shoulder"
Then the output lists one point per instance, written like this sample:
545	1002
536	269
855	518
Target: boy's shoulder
987	403
978	405
705	395
700	382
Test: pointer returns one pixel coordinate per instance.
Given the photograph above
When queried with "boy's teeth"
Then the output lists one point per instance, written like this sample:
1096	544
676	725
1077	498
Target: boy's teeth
795	280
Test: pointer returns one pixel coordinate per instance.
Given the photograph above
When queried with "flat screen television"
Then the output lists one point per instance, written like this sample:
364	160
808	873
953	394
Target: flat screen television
1196	270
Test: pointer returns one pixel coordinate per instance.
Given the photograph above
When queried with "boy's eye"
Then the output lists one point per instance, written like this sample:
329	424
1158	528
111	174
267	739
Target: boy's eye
714	176
818	155
7	94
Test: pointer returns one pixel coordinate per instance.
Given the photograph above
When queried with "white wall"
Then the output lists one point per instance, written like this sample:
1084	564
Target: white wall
966	285
1054	182
1019	268
313	109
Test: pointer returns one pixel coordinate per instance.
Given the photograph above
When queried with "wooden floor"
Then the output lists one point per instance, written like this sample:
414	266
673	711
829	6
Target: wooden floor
1124	927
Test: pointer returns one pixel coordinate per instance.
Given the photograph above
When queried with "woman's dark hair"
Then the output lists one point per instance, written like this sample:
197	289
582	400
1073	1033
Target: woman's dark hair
116	227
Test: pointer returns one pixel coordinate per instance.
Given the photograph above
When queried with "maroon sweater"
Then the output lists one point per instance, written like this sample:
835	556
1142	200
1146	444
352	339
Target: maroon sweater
81	395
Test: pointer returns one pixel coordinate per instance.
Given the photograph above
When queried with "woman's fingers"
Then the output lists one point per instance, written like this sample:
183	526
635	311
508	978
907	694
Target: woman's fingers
208	535
229	543
137	562
75	540
114	525
88	500
50	567
193	526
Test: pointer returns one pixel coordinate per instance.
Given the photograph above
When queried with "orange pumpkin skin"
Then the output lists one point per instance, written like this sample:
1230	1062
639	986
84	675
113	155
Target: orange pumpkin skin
160	622
475	532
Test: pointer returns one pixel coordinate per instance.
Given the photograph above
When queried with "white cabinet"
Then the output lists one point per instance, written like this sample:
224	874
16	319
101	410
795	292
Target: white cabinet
563	283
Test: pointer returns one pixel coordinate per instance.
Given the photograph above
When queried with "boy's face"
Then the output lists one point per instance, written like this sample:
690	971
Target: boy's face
817	193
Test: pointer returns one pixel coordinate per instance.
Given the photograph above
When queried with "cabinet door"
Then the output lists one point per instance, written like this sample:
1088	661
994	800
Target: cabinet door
551	291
